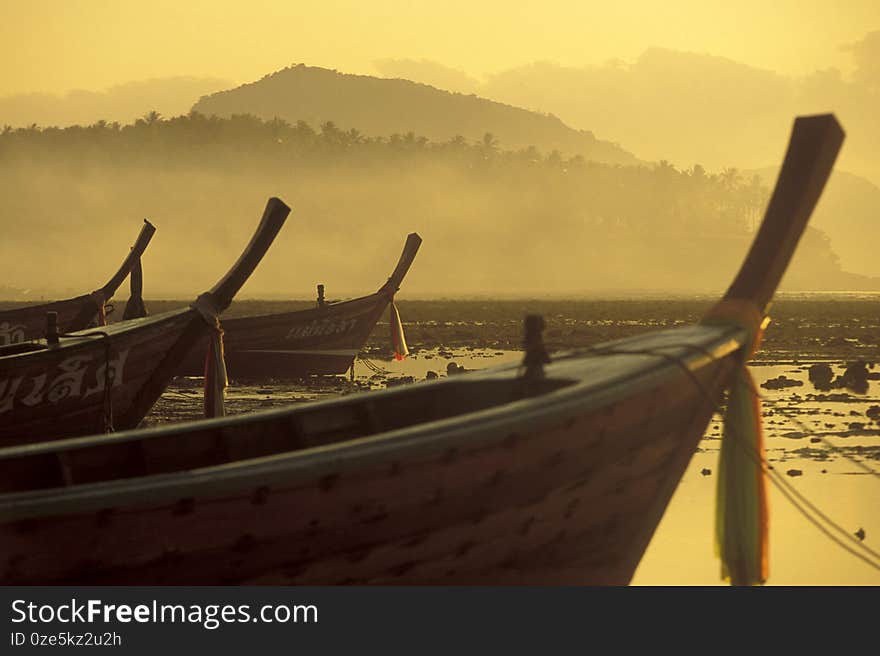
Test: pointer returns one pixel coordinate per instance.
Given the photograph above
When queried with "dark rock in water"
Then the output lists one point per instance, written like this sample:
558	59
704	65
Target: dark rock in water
453	369
813	440
706	471
795	472
403	380
821	376
781	382
860	534
873	412
431	375
856	425
855	377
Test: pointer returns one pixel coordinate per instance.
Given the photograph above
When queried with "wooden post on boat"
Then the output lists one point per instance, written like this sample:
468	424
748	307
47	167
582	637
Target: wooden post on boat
52	333
320	296
135	308
536	354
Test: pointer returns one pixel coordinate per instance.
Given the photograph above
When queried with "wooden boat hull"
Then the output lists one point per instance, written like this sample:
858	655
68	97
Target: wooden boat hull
51	393
567	488
87	382
556	475
29	322
320	341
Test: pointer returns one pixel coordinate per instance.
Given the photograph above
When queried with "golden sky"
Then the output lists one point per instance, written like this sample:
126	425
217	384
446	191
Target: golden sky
57	45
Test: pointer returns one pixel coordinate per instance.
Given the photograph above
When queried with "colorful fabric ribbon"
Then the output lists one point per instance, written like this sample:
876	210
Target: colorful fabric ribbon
741	514
216	379
398	339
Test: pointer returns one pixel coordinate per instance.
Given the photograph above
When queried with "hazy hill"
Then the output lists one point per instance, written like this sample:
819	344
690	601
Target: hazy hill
849	213
123	103
381	107
691	108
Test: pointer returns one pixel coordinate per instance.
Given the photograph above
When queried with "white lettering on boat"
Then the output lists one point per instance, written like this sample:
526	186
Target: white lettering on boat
80	376
322	328
11	333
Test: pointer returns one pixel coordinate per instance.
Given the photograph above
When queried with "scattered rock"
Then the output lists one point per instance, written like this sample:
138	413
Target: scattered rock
781	382
856	425
873	412
860	534
855	377
795	472
403	380
431	375
453	369
821	376
706	471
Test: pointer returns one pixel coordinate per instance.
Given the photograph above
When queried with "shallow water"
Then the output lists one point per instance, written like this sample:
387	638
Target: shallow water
682	550
820	442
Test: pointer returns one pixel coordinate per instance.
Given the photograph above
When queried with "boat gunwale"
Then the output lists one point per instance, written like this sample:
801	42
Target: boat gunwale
288	467
285	316
87	337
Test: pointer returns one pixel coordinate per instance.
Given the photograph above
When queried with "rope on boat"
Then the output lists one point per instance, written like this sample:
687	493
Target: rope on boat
216	378
371	365
100	304
791	494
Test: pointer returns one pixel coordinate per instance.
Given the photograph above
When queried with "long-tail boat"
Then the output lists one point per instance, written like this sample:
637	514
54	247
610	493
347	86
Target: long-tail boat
323	340
551	473
29	322
104	379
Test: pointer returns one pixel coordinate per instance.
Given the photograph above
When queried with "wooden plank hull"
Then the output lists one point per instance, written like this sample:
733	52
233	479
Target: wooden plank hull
56	392
552	489
27	323
319	341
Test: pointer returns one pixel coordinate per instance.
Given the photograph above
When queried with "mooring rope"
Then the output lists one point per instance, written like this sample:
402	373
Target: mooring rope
785	488
371	365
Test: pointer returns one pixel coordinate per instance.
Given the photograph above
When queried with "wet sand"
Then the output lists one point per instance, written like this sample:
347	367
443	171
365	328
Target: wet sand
825	442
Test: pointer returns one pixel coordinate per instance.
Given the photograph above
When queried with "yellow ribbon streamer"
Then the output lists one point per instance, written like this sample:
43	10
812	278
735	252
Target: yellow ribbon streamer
741	514
398	339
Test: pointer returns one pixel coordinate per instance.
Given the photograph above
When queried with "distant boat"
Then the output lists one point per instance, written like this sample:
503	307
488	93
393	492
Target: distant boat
109	378
551	473
29	322
322	340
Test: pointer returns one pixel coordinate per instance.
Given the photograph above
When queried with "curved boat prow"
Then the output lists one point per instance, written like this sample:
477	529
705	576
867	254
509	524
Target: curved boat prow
274	217
813	147
410	248
128	264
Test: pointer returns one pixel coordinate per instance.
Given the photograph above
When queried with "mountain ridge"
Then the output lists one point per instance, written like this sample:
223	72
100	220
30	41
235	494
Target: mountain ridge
383	106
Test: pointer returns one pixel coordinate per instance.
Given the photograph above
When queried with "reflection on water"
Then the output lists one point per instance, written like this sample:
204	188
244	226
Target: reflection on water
682	550
798	421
